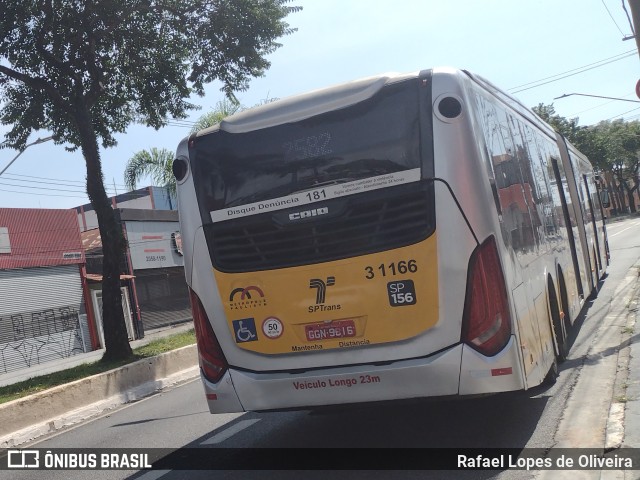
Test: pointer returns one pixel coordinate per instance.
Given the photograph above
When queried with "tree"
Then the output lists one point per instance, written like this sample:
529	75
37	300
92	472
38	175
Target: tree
612	146
156	163
85	71
224	108
620	142
568	128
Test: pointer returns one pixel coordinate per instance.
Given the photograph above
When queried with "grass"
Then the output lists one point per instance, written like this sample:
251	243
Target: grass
44	382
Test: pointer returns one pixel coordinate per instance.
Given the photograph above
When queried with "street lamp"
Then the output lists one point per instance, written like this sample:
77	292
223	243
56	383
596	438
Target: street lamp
596	96
39	140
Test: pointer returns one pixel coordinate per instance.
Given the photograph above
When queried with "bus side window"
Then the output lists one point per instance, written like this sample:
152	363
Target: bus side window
495	150
528	217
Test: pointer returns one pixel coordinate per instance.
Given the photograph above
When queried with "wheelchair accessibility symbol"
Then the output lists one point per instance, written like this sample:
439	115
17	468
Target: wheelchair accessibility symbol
245	330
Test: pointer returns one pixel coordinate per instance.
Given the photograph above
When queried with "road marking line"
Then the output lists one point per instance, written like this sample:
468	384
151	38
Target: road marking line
230	432
618	233
154	475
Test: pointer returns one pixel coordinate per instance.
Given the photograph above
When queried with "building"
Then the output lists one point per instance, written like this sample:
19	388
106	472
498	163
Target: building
43	313
155	293
147	198
157	265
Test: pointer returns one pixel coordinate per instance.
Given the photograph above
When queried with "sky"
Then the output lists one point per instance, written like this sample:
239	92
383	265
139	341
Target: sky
536	49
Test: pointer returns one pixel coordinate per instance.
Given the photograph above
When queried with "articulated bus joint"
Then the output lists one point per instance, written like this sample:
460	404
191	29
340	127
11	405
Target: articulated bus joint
455	199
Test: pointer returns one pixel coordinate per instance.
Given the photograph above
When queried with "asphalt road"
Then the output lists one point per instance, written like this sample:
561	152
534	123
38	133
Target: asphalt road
179	417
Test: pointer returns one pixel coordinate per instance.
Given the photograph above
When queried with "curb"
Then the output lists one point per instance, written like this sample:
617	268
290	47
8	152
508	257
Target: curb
594	416
42	413
616	432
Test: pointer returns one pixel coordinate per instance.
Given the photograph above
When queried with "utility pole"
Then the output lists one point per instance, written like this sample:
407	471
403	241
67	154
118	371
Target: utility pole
634	5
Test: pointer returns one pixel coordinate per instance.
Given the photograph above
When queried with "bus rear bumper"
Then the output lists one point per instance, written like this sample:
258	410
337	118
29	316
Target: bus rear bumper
458	370
433	376
500	373
221	396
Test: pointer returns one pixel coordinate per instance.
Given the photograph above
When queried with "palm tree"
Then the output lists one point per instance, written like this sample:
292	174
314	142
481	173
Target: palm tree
156	162
224	108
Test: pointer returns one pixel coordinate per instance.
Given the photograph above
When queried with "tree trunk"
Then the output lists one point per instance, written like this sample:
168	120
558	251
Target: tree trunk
633	193
621	199
113	244
614	201
632	200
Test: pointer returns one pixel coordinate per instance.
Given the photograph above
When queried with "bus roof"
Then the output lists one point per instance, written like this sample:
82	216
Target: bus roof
300	107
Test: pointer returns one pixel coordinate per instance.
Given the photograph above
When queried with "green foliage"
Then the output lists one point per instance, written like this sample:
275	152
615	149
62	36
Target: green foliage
125	60
619	144
612	146
567	127
156	347
85	71
37	384
155	163
223	108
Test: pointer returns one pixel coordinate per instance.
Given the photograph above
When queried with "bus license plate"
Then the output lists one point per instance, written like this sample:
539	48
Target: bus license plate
328	331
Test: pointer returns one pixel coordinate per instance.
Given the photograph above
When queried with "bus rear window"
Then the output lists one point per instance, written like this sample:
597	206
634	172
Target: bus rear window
374	137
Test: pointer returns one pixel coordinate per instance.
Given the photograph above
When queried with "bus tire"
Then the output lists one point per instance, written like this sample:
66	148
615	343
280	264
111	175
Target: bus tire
559	331
553	373
564	299
596	276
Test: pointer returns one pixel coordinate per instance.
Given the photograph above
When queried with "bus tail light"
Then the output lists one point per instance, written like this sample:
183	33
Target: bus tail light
486	323
211	358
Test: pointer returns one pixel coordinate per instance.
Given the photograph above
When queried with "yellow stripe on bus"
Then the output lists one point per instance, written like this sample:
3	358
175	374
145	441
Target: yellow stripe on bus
370	299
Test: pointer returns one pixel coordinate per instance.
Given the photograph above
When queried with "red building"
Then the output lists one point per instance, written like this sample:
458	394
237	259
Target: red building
43	312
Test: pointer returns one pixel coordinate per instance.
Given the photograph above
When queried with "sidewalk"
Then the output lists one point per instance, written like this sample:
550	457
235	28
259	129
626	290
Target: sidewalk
28	418
22	374
632	406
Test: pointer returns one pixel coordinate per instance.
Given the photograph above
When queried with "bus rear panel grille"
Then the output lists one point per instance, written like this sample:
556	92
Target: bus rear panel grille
368	224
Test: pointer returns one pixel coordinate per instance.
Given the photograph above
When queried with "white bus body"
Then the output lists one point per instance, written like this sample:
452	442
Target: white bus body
397	237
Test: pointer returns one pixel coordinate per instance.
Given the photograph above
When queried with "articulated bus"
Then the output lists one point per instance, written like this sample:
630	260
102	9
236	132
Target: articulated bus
397	237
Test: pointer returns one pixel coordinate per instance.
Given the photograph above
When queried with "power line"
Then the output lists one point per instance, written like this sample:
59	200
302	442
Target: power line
596	96
614	20
623	113
569	73
74	188
130	195
82	183
40	188
621	55
50	183
597	106
43	194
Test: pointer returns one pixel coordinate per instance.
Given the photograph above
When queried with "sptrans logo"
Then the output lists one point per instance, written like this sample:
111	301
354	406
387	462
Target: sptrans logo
247	297
321	287
321	293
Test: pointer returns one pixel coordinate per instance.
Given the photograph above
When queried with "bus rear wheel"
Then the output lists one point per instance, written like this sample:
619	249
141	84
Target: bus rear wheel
559	327
553	373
